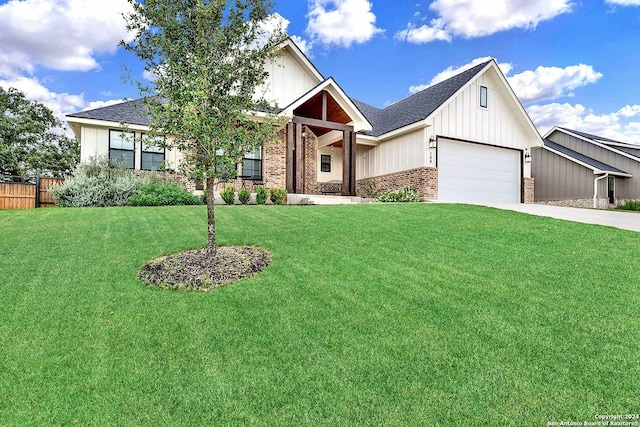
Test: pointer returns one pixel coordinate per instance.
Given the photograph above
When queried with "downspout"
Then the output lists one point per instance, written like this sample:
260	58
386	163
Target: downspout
595	188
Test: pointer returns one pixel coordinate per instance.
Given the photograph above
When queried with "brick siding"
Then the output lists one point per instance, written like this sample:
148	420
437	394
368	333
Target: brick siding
424	180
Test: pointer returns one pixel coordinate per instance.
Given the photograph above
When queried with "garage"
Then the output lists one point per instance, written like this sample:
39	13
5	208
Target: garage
477	173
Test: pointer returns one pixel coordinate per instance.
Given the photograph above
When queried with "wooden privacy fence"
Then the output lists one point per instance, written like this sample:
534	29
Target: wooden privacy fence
25	195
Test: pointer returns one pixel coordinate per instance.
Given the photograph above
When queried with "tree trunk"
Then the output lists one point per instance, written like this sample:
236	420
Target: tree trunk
211	220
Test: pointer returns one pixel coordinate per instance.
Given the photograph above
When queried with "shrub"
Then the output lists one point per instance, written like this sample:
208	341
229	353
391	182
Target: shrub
228	194
244	196
162	194
406	194
630	205
369	188
278	195
100	182
261	195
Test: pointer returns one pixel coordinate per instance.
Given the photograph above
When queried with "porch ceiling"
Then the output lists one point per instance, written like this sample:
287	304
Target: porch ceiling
314	109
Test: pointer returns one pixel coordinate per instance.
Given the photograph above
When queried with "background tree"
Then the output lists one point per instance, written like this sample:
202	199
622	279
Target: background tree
31	137
208	59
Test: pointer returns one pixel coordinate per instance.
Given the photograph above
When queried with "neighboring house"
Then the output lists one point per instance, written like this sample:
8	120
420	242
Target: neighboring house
575	168
464	139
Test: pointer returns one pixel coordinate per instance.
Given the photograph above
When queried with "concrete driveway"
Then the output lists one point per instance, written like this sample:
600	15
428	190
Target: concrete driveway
618	219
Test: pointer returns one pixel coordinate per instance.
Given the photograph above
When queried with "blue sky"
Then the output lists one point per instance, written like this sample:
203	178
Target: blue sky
572	63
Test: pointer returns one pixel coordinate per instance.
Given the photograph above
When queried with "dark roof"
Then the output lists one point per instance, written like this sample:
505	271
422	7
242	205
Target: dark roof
131	112
416	107
405	112
583	159
591	136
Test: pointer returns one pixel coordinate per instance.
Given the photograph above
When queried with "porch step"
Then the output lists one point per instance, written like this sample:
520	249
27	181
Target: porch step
313	199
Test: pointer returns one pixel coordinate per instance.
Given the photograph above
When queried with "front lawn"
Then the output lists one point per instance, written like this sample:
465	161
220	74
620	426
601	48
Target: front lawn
368	315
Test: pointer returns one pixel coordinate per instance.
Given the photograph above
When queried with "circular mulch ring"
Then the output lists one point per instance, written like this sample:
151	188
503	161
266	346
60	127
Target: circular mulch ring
194	270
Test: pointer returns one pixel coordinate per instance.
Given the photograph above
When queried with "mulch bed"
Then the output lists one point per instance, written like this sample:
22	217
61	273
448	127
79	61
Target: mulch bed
195	270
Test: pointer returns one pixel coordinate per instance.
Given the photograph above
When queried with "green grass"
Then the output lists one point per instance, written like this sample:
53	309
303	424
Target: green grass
368	315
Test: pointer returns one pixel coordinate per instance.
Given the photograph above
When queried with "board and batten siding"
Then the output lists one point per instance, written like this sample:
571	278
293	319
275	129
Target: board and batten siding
626	188
287	81
402	153
498	124
558	178
95	142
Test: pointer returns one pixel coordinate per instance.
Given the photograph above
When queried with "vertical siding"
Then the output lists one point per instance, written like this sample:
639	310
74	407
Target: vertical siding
287	81
557	178
407	151
95	142
498	124
625	187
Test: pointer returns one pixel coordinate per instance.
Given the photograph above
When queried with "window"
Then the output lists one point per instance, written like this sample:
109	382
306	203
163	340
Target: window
121	147
325	163
252	165
152	152
483	96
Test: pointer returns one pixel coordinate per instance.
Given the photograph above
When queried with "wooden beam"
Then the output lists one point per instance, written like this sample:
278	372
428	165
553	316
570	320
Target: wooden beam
352	163
322	124
299	163
346	156
324	105
291	163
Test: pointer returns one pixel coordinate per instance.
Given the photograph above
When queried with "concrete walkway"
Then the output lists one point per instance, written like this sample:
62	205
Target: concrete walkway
618	219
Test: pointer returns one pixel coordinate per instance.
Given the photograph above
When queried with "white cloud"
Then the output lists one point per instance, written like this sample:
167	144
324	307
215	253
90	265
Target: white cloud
505	67
59	103
619	125
341	22
304	45
624	2
59	34
477	18
548	83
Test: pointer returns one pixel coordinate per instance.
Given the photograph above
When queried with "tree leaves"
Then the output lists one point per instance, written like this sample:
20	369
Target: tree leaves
31	137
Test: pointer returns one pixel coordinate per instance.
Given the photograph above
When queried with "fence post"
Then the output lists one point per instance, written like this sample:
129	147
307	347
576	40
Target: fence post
37	188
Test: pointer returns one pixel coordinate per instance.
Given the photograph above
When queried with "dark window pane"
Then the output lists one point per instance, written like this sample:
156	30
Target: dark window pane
325	163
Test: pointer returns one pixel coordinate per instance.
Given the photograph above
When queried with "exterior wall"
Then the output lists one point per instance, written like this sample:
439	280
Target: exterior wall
424	180
625	188
529	190
336	165
95	142
601	203
405	152
499	124
287	80
558	178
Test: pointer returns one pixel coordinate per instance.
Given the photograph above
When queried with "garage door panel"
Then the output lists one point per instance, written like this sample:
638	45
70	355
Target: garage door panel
469	172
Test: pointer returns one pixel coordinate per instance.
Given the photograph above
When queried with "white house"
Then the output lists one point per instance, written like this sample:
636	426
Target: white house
465	139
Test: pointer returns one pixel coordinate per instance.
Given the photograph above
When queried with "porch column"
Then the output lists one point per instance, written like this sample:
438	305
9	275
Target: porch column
299	160
290	167
348	163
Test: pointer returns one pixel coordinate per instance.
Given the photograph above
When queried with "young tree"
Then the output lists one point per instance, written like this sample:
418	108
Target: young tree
31	137
208	59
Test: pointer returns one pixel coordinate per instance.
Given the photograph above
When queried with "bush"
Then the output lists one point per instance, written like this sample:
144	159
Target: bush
98	183
244	196
261	195
162	194
406	194
278	195
630	205
228	194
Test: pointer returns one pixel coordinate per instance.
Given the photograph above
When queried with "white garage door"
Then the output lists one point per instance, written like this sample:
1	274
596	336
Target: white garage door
476	173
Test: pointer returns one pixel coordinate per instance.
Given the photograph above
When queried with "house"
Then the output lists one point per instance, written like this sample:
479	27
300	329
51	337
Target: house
465	139
575	168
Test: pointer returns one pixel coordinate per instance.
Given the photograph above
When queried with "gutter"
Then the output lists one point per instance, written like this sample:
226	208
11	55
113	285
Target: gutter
595	188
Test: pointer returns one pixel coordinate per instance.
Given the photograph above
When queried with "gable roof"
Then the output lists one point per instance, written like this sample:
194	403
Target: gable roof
131	112
360	121
607	144
419	106
593	164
